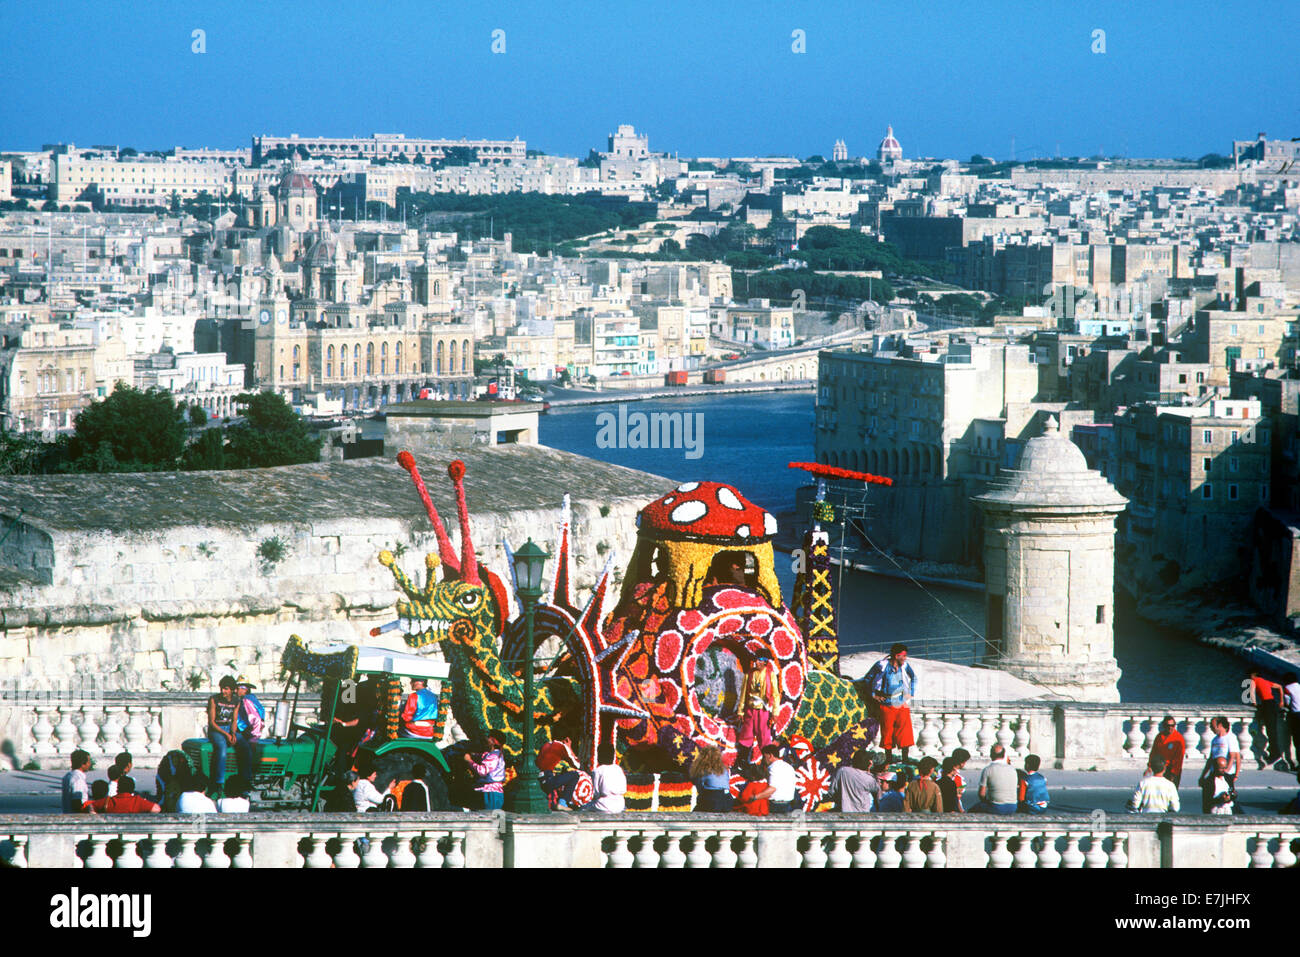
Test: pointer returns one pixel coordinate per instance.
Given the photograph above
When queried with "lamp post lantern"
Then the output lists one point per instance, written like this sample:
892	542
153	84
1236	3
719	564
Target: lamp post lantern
529	562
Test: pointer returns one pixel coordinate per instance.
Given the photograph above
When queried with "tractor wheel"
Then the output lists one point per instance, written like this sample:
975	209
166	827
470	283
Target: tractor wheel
399	763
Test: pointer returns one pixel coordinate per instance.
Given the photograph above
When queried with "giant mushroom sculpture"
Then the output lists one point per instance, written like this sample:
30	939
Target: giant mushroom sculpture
684	531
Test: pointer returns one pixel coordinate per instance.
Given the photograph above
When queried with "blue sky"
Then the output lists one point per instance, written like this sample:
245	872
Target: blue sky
1177	79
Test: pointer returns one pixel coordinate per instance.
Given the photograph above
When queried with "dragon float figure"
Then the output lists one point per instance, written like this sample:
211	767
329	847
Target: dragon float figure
660	675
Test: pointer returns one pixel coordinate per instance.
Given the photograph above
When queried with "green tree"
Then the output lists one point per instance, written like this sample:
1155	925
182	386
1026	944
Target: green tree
130	431
198	416
271	434
206	453
20	453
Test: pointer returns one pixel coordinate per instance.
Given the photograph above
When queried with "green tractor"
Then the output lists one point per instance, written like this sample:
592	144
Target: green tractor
294	767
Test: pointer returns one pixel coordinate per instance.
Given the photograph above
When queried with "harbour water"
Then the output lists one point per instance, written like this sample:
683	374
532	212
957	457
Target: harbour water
747	441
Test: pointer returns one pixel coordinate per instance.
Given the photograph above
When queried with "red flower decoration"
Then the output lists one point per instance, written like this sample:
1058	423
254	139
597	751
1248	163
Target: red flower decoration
456	470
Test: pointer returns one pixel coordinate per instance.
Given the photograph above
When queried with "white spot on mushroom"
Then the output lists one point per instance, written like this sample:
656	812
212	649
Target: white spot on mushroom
728	498
688	487
670	499
769	523
689	512
743	531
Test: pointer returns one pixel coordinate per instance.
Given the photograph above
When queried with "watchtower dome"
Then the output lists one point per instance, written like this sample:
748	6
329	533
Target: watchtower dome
1049	567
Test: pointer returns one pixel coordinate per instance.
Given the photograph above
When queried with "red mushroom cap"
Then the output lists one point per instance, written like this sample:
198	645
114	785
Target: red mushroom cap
710	512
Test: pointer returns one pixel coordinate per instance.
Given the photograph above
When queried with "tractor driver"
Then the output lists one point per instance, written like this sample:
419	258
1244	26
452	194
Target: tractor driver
419	711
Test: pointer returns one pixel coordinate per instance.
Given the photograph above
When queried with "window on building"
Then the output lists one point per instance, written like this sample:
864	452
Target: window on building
1235	435
1207	437
464	355
1232	493
1259	353
1232	329
1232	463
1101	614
1207	491
1263	492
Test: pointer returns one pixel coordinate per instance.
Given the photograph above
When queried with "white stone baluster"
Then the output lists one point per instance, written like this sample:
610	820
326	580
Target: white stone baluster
98	856
1072	857
136	737
1153	731
1207	739
913	856
243	858
217	858
1096	855
65	732
130	858
1284	856
154	731
888	855
111	731
455	856
1260	856
999	856
402	857
1119	849
927	742
347	858
698	855
158	858
429	855
1133	741
1246	740
1021	741
373	855
188	859
968	737
935	857
988	734
1006	735
725	855
1025	855
20	850
839	856
1048	856
317	857
863	855
42	732
673	856
748	856
1191	740
949	733
620	857
646	856
814	856
88	729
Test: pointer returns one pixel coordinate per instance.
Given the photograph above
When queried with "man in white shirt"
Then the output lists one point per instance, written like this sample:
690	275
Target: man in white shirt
194	798
610	783
1223	746
76	792
780	791
1155	793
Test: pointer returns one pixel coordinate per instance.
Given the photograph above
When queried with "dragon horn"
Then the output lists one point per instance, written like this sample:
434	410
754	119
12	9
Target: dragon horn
407	461
468	563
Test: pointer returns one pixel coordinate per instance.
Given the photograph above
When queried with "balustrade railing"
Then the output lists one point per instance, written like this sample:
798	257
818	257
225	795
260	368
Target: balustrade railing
1064	734
894	841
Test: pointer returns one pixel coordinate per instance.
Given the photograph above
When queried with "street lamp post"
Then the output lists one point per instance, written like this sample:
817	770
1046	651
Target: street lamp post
529	562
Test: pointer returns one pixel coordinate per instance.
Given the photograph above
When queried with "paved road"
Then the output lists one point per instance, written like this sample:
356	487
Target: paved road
1260	792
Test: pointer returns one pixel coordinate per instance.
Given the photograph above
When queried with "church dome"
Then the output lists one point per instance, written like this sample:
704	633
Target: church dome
889	147
295	182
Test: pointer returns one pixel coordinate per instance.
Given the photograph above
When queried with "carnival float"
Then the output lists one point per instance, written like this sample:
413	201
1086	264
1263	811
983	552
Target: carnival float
655	667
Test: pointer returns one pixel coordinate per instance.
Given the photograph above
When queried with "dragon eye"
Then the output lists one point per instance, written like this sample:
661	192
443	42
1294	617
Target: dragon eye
469	600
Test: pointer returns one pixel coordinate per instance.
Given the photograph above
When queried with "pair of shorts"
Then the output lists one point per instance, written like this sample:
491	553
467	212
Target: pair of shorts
896	727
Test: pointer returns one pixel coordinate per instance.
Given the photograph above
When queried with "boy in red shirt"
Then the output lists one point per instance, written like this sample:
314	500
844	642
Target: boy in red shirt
125	801
749	800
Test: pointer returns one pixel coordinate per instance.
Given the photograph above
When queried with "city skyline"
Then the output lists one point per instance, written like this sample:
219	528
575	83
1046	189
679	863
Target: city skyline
959	82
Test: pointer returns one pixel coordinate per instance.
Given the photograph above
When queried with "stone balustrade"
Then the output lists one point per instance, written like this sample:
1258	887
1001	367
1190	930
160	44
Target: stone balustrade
1069	735
647	840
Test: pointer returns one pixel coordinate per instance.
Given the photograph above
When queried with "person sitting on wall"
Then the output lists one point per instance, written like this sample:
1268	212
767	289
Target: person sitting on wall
222	709
250	721
419	712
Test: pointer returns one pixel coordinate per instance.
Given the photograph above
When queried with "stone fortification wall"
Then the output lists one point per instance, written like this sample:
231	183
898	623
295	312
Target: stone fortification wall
150	581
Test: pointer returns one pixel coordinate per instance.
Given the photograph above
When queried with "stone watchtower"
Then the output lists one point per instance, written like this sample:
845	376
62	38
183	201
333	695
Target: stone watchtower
1049	566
